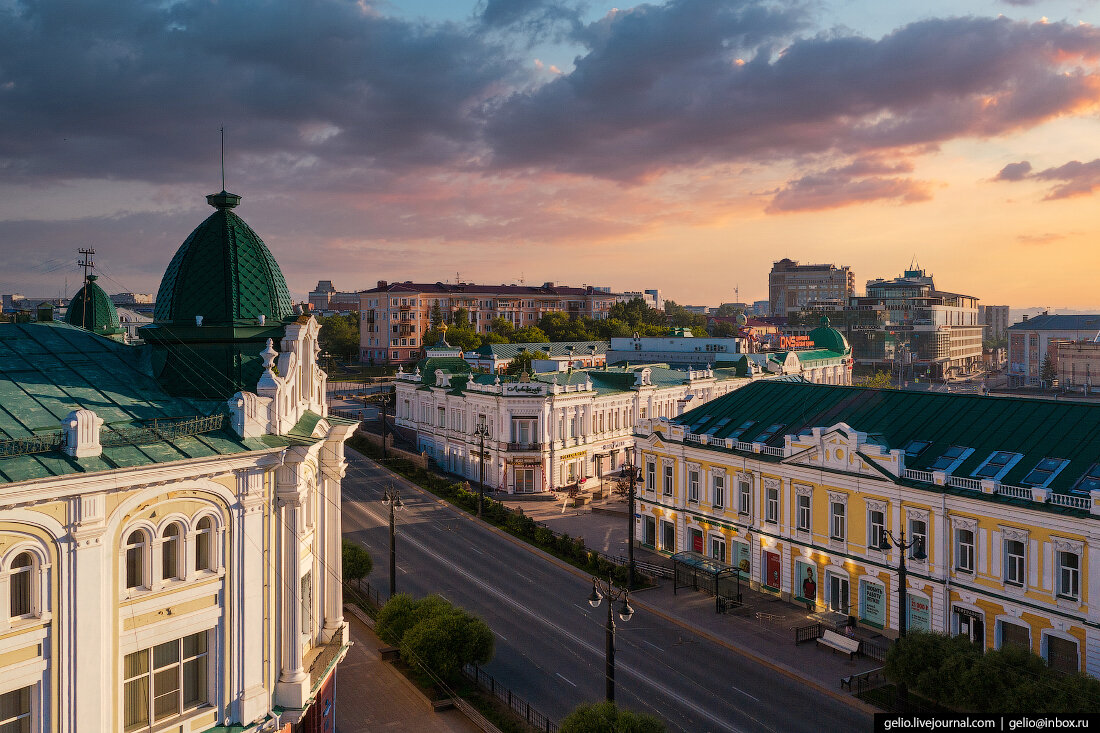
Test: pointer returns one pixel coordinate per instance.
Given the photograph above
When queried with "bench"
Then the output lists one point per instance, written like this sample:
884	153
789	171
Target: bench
840	643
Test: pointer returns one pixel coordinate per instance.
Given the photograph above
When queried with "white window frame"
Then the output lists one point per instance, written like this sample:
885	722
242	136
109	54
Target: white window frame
875	529
718	490
804	503
744	500
1067	576
1014	562
693	486
650	476
771	505
666	480
838	521
965	552
913	535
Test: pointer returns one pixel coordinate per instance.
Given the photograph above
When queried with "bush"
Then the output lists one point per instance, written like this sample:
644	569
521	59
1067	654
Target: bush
606	717
544	537
434	634
395	618
356	563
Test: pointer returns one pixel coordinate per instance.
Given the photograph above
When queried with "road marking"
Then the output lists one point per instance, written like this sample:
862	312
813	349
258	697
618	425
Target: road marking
502	636
476	550
745	693
651	644
559	675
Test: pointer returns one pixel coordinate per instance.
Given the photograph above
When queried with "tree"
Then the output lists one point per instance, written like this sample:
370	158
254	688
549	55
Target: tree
435	634
1047	372
606	717
722	329
461	318
435	315
529	335
339	335
727	310
523	361
502	327
356	562
878	380
682	317
636	314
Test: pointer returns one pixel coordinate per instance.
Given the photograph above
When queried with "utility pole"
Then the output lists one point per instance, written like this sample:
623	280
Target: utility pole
630	520
87	264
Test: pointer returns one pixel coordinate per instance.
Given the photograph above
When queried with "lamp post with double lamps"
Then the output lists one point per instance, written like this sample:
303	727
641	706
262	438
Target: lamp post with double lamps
481	431
391	499
599	591
886	540
632	472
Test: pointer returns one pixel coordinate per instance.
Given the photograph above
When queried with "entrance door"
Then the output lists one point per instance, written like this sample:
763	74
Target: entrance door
970	625
524	480
838	593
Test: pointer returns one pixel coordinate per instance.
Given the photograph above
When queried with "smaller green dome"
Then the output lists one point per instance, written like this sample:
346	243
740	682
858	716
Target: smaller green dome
91	308
825	337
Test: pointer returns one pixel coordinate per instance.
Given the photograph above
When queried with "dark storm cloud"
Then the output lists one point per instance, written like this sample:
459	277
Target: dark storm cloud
537	19
125	88
1074	178
695	82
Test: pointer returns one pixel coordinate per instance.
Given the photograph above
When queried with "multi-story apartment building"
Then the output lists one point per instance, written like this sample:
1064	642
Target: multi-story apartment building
395	316
326	298
167	562
907	320
794	484
543	431
1076	364
996	319
1028	342
792	286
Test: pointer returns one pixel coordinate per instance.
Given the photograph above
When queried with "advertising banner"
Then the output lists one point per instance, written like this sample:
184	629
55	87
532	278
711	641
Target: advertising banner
771	570
872	603
805	586
920	613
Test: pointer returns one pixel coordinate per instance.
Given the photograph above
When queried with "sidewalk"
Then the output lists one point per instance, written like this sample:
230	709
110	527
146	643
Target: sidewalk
372	695
763	628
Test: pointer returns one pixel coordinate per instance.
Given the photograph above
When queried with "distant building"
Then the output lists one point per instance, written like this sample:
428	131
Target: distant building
997	320
1076	364
651	298
792	286
325	298
562	355
1028	342
658	301
395	316
761	308
700	309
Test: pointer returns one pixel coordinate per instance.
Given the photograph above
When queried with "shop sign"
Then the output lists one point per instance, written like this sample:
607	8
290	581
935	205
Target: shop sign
771	569
578	454
872	604
524	389
920	613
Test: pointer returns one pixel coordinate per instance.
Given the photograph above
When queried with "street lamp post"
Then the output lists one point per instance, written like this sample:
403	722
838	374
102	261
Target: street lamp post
392	501
633	470
481	431
886	540
599	590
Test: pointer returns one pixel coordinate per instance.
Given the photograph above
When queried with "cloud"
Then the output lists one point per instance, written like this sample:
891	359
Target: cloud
537	19
1039	240
863	181
1014	171
1075	178
663	87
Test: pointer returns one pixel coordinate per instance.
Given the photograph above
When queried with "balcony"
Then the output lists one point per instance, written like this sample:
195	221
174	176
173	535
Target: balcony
522	447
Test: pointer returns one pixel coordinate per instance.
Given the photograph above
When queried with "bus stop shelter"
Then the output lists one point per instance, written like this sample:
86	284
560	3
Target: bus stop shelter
697	571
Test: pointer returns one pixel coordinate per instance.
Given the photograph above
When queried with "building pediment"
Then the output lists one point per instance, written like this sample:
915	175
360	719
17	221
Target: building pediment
843	448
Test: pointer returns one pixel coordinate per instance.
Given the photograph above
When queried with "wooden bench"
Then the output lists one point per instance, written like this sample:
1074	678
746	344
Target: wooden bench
840	643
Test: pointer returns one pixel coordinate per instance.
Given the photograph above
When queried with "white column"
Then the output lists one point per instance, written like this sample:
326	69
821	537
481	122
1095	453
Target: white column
292	689
332	471
246	636
86	615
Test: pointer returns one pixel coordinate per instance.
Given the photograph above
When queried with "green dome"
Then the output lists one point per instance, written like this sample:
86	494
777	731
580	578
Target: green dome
825	337
91	308
223	272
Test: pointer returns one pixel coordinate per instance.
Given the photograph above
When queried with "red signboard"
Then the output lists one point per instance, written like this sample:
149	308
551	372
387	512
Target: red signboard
795	342
697	542
771	570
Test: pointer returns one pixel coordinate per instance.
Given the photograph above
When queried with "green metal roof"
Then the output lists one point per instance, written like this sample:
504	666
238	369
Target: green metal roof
557	348
49	369
91	308
222	272
1036	429
828	338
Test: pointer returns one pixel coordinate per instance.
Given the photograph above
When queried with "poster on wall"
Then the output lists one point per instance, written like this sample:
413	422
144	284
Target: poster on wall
741	558
920	613
771	568
805	586
872	604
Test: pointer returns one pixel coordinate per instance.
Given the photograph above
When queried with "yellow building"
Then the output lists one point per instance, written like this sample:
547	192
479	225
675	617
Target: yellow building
797	482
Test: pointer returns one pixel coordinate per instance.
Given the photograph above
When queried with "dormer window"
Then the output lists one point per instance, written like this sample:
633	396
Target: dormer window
1044	472
915	447
951	458
996	465
1091	480
769	432
736	434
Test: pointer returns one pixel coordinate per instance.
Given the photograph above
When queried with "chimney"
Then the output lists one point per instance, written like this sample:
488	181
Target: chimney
1025	316
382	283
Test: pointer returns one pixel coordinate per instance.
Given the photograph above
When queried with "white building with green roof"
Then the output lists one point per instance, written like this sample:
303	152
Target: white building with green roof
170	540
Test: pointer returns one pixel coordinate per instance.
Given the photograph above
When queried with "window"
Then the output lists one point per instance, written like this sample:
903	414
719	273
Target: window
876	528
441	417
15	711
20	580
744	505
649	532
718	549
719	491
164	681
769	432
838	593
838	529
524	480
964	550
804	512
667	488
918	533
668	536
204	543
915	447
1062	654
950	458
135	560
1069	574
1091	480
995	465
771	513
650	477
693	486
1014	562
170	552
736	434
1046	470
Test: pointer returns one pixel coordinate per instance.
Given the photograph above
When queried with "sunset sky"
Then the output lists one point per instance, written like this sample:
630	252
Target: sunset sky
680	145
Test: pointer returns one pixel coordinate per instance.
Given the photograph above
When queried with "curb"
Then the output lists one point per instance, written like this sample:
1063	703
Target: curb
775	666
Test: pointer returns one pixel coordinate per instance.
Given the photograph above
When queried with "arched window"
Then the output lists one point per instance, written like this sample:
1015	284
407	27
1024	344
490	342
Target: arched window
20	582
135	559
170	553
204	544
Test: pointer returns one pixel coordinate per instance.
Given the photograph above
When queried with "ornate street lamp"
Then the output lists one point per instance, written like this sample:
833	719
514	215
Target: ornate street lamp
886	540
391	499
481	431
599	590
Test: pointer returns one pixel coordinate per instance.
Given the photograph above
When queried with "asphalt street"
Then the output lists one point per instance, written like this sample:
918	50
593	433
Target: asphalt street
550	642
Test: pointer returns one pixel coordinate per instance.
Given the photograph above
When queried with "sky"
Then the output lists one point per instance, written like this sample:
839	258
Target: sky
681	145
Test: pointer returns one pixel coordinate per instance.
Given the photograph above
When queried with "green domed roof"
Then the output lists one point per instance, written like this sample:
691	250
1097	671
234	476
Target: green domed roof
91	308
223	272
825	337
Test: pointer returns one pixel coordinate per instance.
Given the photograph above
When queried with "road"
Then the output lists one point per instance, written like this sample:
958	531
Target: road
550	642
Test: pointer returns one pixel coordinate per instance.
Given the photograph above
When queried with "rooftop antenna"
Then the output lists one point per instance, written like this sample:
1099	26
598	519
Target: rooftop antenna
222	131
87	264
